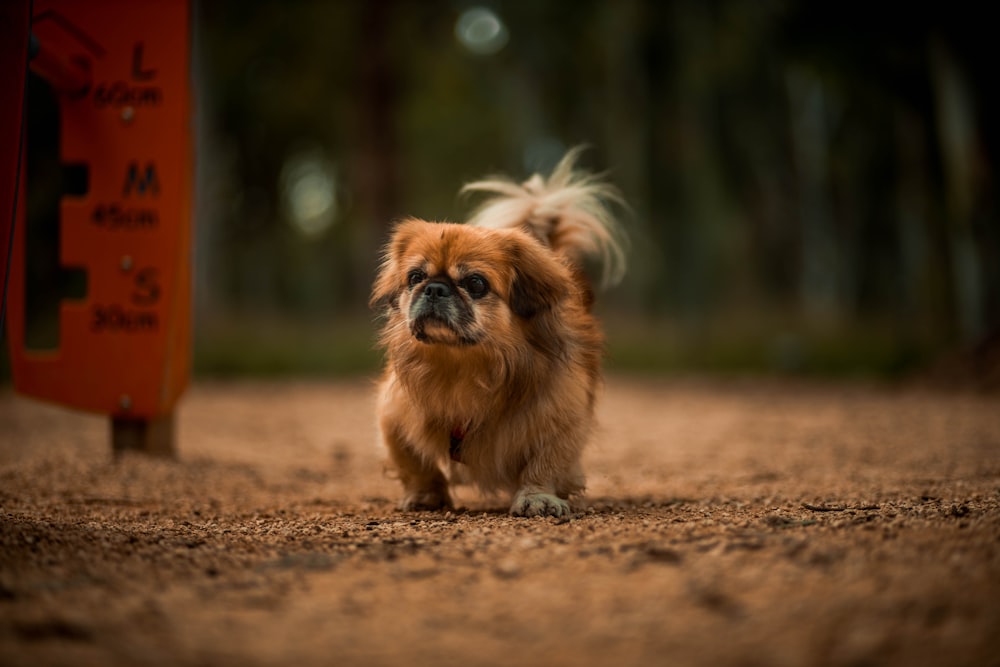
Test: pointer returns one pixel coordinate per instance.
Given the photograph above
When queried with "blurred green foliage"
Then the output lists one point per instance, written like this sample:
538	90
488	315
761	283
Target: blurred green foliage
810	184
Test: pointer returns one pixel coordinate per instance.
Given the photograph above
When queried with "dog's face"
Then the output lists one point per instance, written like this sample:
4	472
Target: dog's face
459	286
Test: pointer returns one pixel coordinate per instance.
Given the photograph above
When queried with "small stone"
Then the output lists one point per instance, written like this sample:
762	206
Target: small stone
508	568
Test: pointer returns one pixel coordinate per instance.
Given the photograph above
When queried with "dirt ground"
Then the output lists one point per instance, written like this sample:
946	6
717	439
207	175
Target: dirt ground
726	523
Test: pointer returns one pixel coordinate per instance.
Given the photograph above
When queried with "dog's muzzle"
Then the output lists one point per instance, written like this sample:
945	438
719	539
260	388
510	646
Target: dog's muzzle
438	307
435	304
436	301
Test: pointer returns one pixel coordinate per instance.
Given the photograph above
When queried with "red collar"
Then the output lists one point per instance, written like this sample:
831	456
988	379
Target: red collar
455	448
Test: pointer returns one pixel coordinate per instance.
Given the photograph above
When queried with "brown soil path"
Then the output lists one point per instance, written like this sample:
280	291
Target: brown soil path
727	523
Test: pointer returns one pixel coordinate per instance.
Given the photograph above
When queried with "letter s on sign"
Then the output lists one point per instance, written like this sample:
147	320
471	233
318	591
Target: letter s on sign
147	287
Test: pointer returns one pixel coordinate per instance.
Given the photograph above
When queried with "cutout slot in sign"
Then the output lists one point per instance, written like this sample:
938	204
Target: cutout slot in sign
48	283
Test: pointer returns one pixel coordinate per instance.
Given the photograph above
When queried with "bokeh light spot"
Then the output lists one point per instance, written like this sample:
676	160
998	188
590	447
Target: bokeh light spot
481	31
309	193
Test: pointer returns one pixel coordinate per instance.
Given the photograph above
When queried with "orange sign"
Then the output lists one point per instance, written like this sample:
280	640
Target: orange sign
125	347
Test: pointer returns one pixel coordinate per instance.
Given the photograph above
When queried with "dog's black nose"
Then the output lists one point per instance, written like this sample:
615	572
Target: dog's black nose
437	290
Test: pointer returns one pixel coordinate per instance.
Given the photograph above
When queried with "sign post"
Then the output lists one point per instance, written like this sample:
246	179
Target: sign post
123	91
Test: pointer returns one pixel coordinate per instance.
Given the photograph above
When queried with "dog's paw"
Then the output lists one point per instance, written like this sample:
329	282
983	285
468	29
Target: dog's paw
527	503
426	501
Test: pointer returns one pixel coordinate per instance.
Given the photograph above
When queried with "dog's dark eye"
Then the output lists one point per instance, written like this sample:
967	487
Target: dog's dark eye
476	286
415	277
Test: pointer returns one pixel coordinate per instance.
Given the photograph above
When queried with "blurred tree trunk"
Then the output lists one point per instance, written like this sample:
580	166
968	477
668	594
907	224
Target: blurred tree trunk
822	261
376	180
956	130
628	138
924	306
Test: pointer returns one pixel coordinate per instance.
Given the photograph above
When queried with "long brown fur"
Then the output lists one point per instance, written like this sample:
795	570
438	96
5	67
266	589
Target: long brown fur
494	388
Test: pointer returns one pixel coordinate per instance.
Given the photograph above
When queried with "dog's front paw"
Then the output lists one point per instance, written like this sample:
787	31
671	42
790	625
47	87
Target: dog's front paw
426	501
528	503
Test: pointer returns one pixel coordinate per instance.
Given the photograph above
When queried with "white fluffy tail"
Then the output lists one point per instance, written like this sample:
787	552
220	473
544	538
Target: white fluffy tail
570	212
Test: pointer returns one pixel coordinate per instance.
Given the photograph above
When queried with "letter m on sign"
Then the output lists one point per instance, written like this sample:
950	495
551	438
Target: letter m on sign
141	181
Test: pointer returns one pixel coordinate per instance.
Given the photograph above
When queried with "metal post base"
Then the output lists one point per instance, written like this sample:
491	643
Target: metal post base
153	437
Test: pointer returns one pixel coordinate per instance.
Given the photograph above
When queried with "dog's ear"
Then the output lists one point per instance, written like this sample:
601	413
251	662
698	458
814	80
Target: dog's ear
388	281
540	280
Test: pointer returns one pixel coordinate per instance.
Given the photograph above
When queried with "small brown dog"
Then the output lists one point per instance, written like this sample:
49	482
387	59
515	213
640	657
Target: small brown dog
492	353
